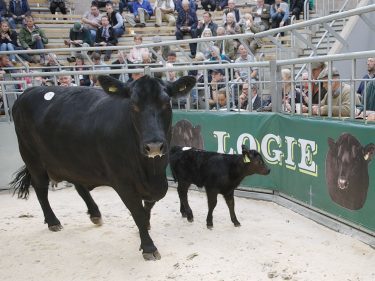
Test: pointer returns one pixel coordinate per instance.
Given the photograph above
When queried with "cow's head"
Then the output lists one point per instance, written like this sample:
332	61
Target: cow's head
350	159
254	163
151	111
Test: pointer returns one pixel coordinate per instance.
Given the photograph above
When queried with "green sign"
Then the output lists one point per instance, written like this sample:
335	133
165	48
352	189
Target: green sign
332	178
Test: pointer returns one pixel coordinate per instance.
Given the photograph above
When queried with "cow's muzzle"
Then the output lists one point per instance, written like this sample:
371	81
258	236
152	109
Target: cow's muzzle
342	183
153	149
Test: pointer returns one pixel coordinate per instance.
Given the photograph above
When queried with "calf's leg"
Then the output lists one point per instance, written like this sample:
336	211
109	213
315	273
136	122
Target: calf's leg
212	201
92	208
229	199
185	209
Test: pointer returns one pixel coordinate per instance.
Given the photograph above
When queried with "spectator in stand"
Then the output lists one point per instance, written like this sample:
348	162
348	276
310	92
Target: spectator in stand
232	9
206	23
142	11
121	63
66	81
172	57
370	75
244	58
217	82
226	46
216	55
208	5
92	20
115	20
83	79
100	3
289	93
269	2
162	51
231	26
256	101
204	47
279	14
33	37
135	55
98	65
261	16
57	4
18	11
340	96
52	64
122	6
192	4
79	36
105	36
3	11
8	39
296	7
164	10
187	23
318	91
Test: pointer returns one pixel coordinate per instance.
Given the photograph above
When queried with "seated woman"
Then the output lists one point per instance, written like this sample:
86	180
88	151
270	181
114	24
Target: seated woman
231	26
135	54
204	47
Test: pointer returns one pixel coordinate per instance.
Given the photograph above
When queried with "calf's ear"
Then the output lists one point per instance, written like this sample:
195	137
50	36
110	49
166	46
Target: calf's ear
113	86
369	152
245	154
181	87
331	144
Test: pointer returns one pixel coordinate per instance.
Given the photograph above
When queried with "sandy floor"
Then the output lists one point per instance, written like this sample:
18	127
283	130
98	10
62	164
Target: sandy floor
273	243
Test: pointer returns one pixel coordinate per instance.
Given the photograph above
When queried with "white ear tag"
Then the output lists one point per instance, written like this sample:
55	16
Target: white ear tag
186	148
366	156
49	95
246	159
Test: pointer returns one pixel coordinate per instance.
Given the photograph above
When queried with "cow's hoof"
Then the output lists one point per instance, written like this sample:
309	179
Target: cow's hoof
97	220
190	219
210	226
237	224
55	228
183	214
152	256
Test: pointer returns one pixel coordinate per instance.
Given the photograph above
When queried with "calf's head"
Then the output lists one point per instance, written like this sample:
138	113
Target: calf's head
254	163
150	107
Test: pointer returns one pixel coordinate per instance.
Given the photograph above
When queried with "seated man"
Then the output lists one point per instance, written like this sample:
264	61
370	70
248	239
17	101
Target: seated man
279	14
340	96
18	10
92	20
244	58
186	23
32	37
106	37
164	10
296	7
254	102
142	11
57	4
79	36
232	9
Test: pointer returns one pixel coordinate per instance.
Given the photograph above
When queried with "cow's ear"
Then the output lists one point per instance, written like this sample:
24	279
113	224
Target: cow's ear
245	154
331	144
181	87
113	86
369	152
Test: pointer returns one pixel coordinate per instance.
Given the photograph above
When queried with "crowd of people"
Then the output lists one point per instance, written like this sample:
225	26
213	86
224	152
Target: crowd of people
104	29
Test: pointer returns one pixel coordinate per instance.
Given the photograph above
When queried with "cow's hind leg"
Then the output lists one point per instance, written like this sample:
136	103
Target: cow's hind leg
229	199
40	184
148	206
212	201
92	208
185	209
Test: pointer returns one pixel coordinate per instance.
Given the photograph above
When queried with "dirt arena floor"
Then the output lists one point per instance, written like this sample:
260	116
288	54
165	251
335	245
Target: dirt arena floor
273	243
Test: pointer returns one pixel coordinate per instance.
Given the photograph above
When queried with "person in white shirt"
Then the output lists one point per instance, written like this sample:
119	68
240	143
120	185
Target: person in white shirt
164	10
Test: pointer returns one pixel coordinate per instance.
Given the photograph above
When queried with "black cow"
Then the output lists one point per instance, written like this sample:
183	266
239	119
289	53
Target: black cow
218	173
347	171
117	137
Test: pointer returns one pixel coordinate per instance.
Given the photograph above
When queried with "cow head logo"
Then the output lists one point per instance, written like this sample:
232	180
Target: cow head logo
185	134
347	171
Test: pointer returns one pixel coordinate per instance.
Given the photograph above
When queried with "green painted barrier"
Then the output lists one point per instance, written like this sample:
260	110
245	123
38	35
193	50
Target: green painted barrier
296	149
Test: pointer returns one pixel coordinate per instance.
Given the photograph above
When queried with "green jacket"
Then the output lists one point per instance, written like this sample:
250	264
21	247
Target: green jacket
27	38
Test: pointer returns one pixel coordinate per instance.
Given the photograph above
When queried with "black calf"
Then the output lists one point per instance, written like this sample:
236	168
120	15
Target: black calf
218	173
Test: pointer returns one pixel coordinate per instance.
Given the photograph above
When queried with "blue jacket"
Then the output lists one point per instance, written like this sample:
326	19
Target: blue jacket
25	9
192	19
145	5
275	15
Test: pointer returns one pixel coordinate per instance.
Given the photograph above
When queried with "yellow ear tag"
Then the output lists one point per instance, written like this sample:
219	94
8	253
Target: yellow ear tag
112	89
366	156
246	159
182	88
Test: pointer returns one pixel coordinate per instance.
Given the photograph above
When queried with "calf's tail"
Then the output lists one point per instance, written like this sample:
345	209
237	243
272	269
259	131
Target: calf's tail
21	183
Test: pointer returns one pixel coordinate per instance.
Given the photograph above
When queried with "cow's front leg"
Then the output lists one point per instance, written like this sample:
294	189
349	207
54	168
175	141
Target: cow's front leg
212	201
185	209
148	206
134	203
229	199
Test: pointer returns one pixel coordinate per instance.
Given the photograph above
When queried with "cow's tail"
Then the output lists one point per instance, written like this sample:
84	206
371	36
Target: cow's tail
21	183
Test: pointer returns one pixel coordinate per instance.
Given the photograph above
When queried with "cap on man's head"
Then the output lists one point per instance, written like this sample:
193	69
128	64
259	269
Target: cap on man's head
318	64
324	73
218	71
77	26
